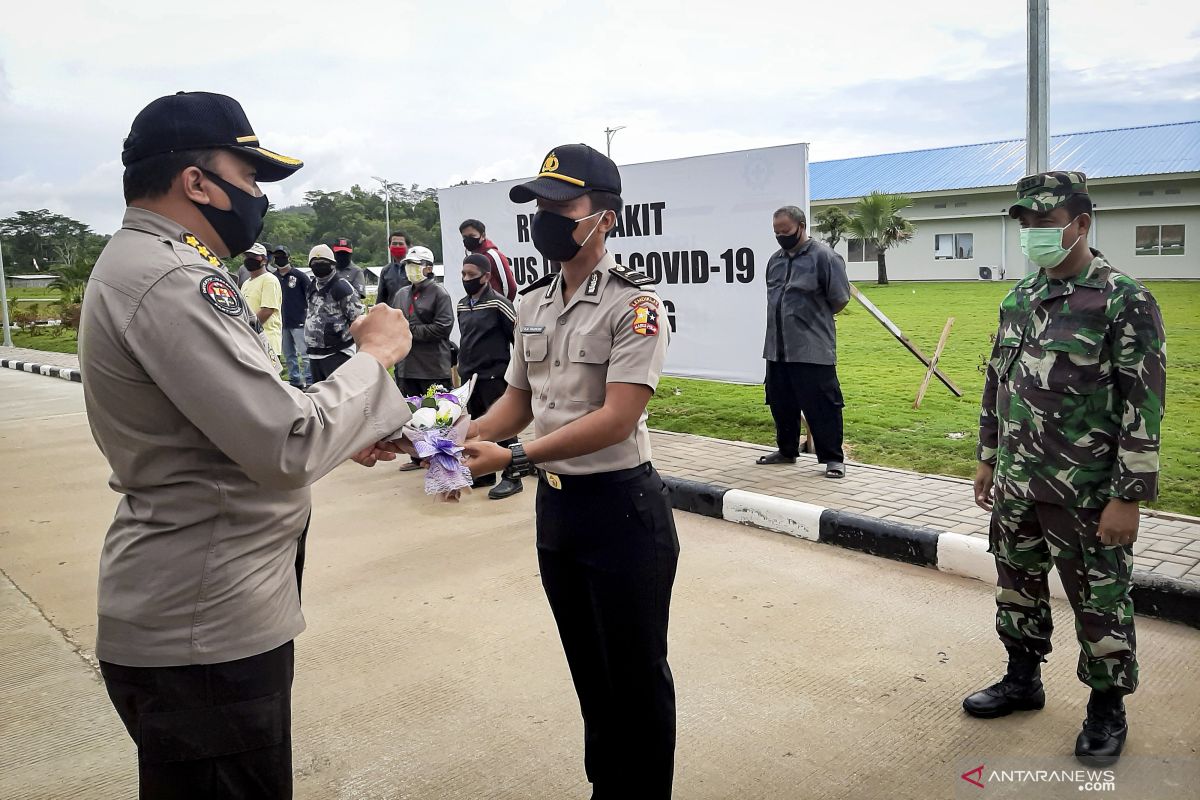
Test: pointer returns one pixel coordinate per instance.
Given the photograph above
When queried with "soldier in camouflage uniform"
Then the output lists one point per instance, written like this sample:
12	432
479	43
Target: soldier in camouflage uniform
1068	447
332	305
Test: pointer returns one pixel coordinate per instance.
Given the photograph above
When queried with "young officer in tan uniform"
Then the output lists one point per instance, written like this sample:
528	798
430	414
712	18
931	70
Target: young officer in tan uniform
212	454
589	350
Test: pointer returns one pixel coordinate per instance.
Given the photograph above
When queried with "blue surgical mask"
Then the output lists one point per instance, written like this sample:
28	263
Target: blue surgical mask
1044	247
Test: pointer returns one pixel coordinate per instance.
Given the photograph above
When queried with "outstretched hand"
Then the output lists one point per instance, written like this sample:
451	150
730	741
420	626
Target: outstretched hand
383	451
484	458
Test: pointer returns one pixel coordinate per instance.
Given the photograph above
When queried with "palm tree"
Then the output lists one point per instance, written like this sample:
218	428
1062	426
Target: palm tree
876	218
832	223
70	280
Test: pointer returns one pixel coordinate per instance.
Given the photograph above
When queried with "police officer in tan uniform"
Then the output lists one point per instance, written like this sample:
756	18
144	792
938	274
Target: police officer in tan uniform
590	345
212	455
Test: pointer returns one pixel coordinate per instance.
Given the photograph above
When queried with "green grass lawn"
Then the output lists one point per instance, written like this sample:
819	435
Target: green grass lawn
880	380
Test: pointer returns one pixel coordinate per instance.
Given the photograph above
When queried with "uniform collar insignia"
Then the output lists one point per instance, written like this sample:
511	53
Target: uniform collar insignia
593	284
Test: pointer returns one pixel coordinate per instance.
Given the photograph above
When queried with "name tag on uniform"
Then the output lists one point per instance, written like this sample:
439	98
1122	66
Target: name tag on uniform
533	329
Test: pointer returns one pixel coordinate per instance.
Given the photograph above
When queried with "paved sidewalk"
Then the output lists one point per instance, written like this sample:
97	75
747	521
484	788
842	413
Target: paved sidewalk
1168	544
69	360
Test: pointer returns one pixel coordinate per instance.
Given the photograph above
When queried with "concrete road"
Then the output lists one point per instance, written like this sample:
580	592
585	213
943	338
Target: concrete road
431	667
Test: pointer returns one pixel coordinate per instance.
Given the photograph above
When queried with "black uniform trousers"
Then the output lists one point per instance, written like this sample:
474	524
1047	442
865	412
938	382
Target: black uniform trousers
813	390
209	731
608	550
325	366
487	391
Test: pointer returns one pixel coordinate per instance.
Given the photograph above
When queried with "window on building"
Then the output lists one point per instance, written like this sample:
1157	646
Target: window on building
1158	240
1146	193
860	250
960	204
939	205
1171	191
954	245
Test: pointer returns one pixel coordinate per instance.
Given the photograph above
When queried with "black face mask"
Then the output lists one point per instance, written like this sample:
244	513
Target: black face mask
553	237
790	240
240	226
472	242
472	285
322	269
281	260
342	259
252	264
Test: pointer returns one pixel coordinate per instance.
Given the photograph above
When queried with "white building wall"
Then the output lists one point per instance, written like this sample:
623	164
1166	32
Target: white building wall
1121	206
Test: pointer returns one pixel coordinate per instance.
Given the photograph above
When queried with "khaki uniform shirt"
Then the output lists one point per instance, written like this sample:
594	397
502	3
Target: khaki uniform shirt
612	331
211	452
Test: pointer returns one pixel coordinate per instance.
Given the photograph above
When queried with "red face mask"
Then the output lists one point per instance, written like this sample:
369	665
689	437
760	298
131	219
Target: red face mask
398	252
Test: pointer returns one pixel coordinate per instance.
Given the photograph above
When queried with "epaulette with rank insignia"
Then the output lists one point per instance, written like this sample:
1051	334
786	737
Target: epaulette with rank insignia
545	280
208	255
637	279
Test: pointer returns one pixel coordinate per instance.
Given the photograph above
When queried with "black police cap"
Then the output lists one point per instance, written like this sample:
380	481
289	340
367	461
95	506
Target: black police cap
567	172
201	121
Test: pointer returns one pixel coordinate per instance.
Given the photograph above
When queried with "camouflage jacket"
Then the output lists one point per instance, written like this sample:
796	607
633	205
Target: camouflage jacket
331	308
1076	389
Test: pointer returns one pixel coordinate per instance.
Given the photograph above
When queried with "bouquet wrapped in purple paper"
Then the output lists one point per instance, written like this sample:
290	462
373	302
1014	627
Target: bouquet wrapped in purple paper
437	431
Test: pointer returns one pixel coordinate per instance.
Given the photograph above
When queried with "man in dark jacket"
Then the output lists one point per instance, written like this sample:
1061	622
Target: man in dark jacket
501	275
393	279
430	312
333	305
485	328
294	284
343	252
806	286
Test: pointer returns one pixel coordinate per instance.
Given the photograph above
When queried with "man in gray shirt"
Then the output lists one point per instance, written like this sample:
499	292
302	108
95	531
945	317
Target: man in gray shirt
806	286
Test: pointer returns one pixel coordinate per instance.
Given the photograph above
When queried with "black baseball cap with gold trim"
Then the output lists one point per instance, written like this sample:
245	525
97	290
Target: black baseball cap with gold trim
567	172
201	121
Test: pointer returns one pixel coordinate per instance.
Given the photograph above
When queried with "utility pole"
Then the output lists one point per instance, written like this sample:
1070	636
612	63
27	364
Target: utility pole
1036	142
387	214
4	300
1037	35
609	133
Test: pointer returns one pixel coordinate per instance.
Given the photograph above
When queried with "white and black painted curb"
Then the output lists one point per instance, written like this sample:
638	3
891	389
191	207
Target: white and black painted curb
1153	595
66	373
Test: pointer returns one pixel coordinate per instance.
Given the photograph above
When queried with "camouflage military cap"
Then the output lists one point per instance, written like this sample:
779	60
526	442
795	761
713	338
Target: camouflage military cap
1046	191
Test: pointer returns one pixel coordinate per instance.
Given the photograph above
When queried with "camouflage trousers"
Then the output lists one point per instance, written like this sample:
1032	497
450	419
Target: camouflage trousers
1026	537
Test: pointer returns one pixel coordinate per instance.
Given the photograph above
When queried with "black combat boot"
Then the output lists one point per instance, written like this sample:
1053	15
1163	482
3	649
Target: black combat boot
1019	690
1104	731
510	484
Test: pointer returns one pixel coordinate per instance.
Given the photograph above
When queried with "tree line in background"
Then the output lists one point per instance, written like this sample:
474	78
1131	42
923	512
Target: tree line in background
358	215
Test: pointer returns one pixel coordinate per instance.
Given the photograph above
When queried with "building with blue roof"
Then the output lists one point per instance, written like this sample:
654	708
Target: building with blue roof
1144	182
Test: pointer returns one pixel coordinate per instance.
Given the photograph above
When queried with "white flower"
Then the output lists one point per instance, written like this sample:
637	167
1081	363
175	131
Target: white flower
447	407
424	419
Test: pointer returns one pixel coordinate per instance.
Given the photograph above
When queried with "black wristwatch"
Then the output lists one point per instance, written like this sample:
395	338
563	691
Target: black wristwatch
520	461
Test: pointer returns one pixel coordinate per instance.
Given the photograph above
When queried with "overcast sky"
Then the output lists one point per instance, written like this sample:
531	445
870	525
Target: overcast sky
435	92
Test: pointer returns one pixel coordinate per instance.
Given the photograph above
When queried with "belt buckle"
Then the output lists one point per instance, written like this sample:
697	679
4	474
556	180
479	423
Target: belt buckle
552	479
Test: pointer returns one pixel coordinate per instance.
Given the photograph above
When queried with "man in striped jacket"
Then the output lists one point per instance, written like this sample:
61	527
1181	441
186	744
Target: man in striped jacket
485	327
474	236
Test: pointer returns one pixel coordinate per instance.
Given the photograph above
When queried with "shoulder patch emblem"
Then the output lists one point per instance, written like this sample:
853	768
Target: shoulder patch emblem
224	298
648	300
638	279
645	321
